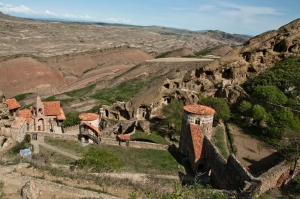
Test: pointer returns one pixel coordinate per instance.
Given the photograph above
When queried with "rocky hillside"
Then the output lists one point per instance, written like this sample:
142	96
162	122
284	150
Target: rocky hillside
219	77
56	74
62	56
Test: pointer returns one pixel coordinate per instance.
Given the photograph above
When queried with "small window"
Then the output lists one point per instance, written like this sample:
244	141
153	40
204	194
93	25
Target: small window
34	136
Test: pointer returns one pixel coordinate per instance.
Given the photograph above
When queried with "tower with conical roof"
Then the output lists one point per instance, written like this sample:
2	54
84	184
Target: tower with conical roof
196	123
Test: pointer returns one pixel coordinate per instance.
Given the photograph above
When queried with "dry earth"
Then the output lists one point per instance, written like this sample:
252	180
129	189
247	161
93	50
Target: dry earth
252	153
44	38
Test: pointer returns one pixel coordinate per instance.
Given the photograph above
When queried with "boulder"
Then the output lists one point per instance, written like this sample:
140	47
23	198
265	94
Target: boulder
29	190
144	126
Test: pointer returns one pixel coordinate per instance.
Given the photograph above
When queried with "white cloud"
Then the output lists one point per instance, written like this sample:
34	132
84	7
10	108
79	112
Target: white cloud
17	9
234	9
21	9
118	20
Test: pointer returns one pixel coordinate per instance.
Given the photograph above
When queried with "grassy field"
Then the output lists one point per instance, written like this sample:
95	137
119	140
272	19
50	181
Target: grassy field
153	137
56	158
136	160
218	140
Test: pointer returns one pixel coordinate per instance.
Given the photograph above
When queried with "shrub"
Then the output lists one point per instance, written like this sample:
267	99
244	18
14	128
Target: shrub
245	107
25	144
71	119
270	94
98	160
173	113
219	104
281	121
258	112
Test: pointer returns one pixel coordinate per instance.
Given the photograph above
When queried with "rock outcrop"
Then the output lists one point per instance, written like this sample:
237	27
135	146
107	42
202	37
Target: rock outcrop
220	77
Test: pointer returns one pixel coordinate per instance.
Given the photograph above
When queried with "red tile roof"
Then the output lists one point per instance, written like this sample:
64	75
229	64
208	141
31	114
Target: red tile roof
26	113
197	139
12	104
61	116
199	109
88	116
124	136
51	108
93	127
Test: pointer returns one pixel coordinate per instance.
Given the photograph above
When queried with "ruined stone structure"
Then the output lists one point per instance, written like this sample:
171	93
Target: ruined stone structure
12	128
44	116
89	128
196	123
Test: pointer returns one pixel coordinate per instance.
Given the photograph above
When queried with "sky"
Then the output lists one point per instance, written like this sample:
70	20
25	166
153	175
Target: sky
250	17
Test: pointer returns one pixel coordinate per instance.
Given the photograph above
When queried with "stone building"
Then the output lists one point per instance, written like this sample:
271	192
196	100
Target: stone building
44	116
88	128
13	106
196	123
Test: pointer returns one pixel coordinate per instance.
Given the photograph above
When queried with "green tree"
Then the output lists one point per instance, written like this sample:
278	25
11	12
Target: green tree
98	160
280	121
245	107
258	112
71	119
270	94
219	104
173	113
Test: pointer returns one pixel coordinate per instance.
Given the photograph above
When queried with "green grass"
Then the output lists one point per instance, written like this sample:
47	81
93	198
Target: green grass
218	140
153	137
122	92
145	160
56	157
80	92
136	160
2	195
21	96
68	145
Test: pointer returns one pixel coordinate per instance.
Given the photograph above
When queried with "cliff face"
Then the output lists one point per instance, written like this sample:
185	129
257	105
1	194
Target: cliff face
212	79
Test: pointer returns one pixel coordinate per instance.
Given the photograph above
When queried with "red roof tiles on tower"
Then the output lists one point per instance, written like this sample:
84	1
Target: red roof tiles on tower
199	109
88	116
12	104
197	139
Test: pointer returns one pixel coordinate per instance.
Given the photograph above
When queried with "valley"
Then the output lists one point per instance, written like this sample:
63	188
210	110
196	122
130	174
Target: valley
145	110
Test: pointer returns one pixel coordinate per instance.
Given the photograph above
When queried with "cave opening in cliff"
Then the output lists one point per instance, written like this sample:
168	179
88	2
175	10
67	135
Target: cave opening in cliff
251	70
198	72
247	56
279	48
227	74
290	48
167	86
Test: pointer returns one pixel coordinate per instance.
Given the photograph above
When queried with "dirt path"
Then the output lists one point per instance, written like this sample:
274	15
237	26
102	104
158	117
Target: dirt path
59	151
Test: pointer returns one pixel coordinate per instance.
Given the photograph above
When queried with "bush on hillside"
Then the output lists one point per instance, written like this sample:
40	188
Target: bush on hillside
98	160
258	112
280	121
245	107
173	113
219	104
270	94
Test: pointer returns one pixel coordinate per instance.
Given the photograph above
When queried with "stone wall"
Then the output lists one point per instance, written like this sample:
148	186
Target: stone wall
71	128
229	175
269	178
